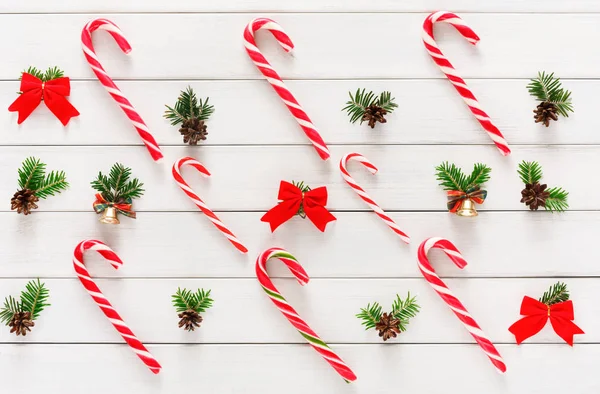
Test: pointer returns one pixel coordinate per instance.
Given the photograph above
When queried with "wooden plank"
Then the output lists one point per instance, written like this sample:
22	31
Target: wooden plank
328	305
247	178
298	369
250	113
323	50
511	244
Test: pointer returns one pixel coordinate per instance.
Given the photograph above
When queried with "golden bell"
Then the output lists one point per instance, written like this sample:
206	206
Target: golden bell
109	216
467	209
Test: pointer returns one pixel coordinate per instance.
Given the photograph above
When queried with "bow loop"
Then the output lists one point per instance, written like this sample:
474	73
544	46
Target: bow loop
124	208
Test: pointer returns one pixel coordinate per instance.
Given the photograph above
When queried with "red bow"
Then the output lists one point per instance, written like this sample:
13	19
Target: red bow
537	315
292	198
54	93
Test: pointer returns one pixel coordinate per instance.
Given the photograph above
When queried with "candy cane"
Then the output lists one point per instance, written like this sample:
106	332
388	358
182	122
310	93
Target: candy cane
362	194
107	82
199	203
457	307
275	80
290	313
455	79
110	312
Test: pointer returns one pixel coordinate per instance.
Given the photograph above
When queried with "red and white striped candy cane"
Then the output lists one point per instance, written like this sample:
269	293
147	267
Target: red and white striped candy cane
110	312
290	313
199	203
362	194
107	82
457	307
455	79
275	80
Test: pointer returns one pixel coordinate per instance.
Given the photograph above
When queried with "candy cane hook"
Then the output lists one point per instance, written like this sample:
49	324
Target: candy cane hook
199	203
290	313
459	84
365	197
84	276
457	307
107	82
275	80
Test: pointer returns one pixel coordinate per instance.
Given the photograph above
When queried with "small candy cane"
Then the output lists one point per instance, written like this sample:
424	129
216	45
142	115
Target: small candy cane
290	313
455	305
362	194
110	312
107	82
199	203
459	84
275	80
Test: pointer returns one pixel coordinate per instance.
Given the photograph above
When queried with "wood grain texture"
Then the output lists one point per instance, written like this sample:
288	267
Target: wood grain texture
323	50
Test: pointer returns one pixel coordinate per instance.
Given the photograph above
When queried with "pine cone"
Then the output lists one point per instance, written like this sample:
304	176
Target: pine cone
193	130
388	326
373	114
24	201
545	112
534	195
21	323
190	319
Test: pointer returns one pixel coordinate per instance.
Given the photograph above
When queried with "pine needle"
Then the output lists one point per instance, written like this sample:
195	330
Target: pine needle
555	294
188	106
549	89
32	176
370	315
117	186
557	202
530	172
185	299
480	175
11	307
34	298
50	74
404	310
451	177
361	100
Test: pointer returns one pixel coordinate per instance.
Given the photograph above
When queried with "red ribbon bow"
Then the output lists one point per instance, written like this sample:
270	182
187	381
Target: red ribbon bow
537	315
292	198
54	93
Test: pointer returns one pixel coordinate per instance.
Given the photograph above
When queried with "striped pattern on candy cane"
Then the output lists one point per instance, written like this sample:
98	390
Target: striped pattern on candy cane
107	82
199	203
455	305
275	80
459	84
84	276
362	194
290	313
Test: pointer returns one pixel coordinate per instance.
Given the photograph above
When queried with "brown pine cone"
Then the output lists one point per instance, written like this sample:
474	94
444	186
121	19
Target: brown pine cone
373	114
545	112
24	201
534	195
388	326
190	319
193	130
21	323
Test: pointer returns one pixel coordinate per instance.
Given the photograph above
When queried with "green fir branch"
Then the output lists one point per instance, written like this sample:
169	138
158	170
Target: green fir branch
451	177
116	186
549	89
52	184
185	299
386	101
555	294
50	74
480	175
370	316
557	201
31	173
34	298
11	307
404	310
188	106
530	172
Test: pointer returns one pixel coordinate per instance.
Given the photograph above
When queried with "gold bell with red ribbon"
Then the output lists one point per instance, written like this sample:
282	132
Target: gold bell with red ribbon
109	216
467	209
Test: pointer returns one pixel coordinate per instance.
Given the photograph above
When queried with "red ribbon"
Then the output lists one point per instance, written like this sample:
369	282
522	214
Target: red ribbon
54	93
537	315
292	198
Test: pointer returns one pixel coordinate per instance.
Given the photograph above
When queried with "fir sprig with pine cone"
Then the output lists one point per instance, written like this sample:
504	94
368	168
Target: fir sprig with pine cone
393	323
191	113
462	188
554	100
20	314
369	107
116	191
190	305
35	184
537	195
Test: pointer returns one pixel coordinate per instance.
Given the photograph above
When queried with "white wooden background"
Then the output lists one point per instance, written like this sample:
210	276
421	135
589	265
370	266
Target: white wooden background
245	345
